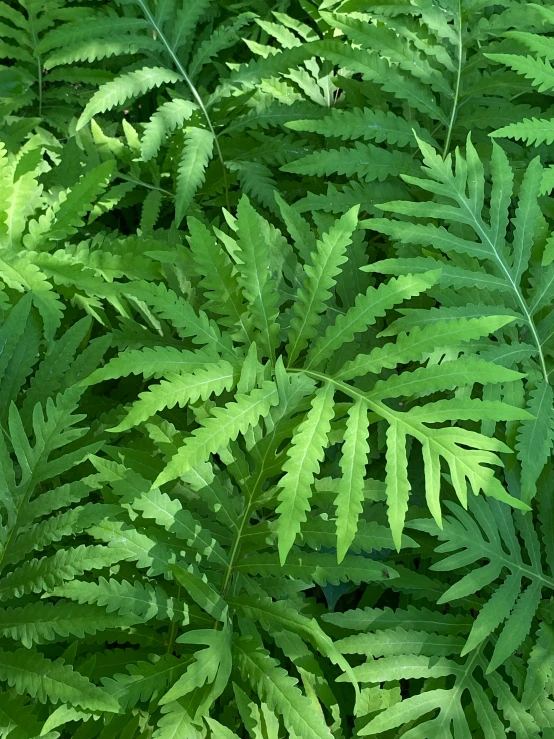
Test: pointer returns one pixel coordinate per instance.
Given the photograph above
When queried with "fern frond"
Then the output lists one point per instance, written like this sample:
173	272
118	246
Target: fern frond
391	46
510	602
535	439
366	310
143	600
97	27
185	22
123	88
195	157
532	131
38	623
506	255
19	272
219	279
154	362
278	690
50	571
212	665
92	50
367	161
38	536
366	124
181	389
416	619
304	457
222	38
139	546
353	462
32	673
257	241
170	514
217	431
22	200
317	567
143	680
320	278
68	217
377	69
182	315
165	120
538	71
412	346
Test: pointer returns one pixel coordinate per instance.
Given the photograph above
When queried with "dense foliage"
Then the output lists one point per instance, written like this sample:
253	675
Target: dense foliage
276	345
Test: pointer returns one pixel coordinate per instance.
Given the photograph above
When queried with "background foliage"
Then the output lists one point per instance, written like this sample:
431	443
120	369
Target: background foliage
276	413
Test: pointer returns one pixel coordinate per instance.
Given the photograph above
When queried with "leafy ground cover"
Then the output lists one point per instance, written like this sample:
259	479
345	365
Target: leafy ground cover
276	347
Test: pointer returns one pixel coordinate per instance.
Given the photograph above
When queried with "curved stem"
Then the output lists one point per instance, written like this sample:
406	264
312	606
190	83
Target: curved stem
194	91
481	230
458	78
38	58
235	548
144	184
39	69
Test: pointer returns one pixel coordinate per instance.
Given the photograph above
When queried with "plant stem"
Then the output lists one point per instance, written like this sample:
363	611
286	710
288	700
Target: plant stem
458	78
39	61
194	91
144	184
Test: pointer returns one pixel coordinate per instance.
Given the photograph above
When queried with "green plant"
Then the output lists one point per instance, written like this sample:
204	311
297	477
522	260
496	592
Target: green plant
269	469
478	256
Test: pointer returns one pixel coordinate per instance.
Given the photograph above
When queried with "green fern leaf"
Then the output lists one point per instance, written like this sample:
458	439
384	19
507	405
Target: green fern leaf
278	690
174	722
532	131
47	573
540	666
222	38
377	69
353	462
22	200
326	260
398	486
223	426
509	602
304	458
92	50
79	31
143	600
123	88
191	174
535	439
412	346
69	216
30	672
182	315
186	20
367	161
317	567
19	272
366	310
538	71
70	522
38	623
256	240
181	389
525	222
367	124
166	119
212	665
155	362
143	680
170	514
219	279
